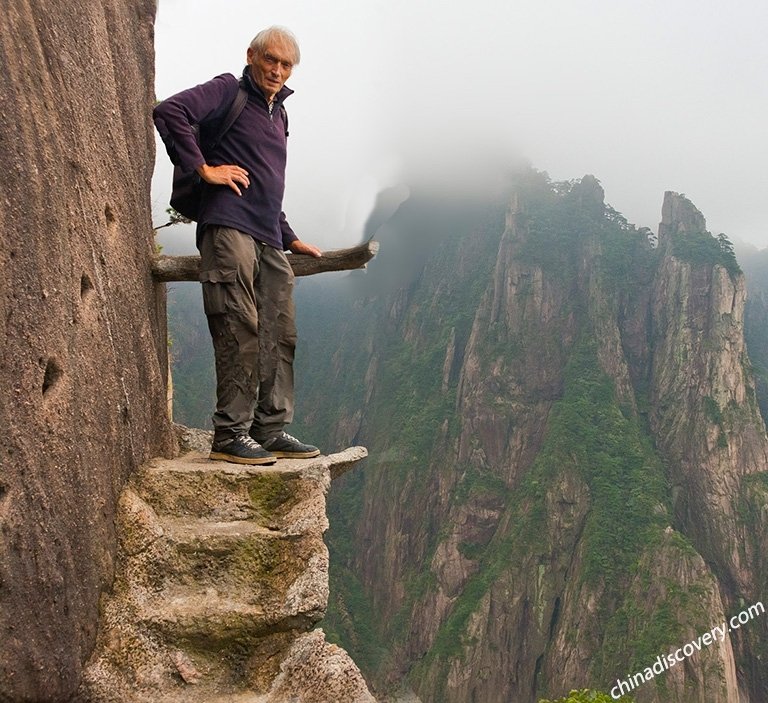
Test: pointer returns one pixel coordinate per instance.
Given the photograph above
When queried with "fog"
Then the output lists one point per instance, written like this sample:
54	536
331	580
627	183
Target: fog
647	96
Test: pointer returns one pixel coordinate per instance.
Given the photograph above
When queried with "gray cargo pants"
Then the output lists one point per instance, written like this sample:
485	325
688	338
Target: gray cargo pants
248	300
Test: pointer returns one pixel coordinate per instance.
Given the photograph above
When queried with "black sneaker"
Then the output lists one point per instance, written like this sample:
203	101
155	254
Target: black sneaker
287	447
241	450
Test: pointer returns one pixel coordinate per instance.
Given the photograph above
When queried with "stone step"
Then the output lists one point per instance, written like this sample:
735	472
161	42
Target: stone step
196	487
204	688
235	556
214	535
213	621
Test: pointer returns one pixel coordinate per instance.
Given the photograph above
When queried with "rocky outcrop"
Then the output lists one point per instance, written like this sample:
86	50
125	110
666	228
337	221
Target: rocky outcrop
221	574
755	265
705	415
83	364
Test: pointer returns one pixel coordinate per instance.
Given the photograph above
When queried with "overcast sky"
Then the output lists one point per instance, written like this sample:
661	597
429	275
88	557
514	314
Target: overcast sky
648	96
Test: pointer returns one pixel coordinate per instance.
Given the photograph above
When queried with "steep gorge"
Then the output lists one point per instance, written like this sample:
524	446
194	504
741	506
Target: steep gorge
567	472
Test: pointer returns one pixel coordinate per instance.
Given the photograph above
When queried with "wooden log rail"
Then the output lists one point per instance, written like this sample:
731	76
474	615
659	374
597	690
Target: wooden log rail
167	269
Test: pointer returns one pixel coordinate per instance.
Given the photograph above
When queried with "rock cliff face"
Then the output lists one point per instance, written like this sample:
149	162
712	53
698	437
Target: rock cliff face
83	363
569	463
706	420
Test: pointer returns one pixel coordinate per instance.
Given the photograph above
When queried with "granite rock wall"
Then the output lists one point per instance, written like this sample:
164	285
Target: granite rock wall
83	366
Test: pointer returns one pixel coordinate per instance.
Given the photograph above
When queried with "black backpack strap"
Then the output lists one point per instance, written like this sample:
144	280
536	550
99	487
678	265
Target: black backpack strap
234	112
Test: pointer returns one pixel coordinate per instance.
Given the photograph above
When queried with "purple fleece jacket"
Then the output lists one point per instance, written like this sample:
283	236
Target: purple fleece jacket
256	141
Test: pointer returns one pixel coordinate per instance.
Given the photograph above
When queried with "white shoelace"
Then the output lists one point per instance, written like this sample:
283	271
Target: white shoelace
250	442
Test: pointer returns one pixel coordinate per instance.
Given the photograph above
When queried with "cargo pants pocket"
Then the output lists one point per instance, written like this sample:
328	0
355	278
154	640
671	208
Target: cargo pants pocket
217	290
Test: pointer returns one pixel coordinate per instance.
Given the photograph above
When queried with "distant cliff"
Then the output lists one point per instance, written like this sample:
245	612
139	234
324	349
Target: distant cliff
568	462
83	364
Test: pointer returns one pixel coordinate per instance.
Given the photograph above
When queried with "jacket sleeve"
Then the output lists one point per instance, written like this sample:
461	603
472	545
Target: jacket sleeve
175	116
287	233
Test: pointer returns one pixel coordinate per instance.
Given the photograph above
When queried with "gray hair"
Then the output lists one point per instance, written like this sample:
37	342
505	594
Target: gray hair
279	35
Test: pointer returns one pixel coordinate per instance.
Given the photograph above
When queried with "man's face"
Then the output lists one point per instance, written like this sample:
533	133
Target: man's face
271	69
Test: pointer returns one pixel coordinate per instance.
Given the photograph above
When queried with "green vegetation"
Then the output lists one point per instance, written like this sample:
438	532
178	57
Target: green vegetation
754	501
174	218
715	415
638	636
407	411
557	227
755	264
701	248
474	482
256	559
758	479
712	410
192	365
625	478
587	696
271	494
563	217
349	621
588	436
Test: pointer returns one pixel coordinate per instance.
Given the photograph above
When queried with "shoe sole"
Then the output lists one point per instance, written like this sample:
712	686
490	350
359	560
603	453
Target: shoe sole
297	455
261	461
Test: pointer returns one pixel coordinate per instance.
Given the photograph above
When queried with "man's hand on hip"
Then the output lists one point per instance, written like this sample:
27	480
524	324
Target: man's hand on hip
225	175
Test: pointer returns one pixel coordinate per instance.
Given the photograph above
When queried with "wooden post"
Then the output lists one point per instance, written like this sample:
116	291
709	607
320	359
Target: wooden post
166	269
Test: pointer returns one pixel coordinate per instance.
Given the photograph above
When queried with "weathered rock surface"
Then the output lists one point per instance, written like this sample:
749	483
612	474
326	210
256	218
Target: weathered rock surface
707	421
705	414
221	573
83	362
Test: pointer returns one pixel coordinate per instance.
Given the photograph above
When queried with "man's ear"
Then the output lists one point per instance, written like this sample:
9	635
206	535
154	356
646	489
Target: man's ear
249	56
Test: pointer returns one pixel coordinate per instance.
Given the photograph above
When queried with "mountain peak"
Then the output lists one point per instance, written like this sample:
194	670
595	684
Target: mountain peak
678	214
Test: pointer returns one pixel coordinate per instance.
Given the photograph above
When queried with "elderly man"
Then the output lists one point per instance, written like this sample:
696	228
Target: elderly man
242	234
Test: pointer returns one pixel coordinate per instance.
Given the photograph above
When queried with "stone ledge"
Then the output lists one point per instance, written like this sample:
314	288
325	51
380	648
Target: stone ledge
194	445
